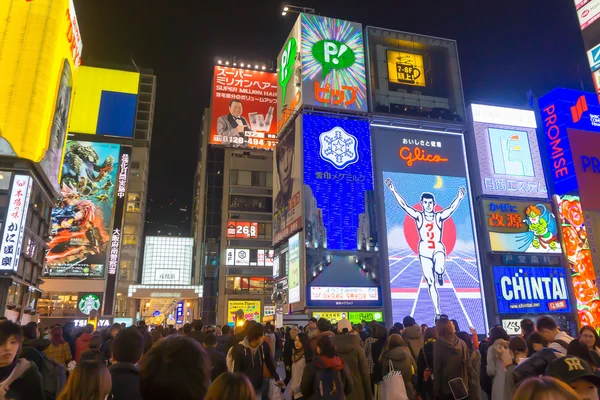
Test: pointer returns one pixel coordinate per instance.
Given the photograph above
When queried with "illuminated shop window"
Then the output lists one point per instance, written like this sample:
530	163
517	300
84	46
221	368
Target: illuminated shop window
57	304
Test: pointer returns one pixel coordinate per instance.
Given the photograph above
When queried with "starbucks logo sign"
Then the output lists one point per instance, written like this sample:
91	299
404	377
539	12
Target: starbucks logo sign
89	302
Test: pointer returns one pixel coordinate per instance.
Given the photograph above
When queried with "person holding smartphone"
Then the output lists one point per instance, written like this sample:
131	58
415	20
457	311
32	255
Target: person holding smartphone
450	363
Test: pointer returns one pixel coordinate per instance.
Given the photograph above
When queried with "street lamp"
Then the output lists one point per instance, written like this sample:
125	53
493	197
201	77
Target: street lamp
296	10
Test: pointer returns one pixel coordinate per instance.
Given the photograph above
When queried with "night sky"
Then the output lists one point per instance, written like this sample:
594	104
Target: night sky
506	48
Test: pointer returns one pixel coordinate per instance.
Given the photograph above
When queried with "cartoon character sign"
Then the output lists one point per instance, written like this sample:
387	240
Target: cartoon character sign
543	227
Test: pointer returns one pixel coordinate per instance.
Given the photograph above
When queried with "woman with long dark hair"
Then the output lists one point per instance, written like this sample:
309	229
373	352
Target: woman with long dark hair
90	380
301	357
425	366
231	386
590	339
381	334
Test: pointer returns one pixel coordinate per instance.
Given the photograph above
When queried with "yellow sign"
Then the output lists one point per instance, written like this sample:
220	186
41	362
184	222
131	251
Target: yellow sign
406	68
40	48
250	308
105	102
333	317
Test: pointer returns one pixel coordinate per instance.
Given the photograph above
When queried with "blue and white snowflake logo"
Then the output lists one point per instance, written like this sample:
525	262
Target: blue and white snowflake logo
338	147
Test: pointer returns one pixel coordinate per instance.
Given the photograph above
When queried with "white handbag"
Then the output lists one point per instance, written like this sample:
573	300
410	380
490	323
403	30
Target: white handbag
392	386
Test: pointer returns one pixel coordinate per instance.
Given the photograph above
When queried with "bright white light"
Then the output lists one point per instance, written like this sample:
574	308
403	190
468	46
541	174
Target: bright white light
263	67
226	62
283	13
256	67
234	64
285	8
242	64
219	62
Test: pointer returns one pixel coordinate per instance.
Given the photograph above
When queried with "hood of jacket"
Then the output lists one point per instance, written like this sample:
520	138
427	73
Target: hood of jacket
452	344
398	354
38	344
346	343
413	332
335	363
498	344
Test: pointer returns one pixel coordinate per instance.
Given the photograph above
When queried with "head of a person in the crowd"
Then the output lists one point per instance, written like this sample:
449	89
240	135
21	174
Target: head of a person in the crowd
363	323
323	325
197	325
408	321
312	323
325	347
517	347
56	335
123	325
92	355
10	342
372	325
544	388
115	329
445	328
527	326
128	346
578	349
498	332
302	343
209	340
589	337
156	335
225	330
430	333
143	323
30	331
176	368
89	328
395	340
68	328
255	335
294	332
344	326
270	329
467	338
576	373
455	323
380	333
187	328
95	343
90	380
535	343
231	386
547	327
423	328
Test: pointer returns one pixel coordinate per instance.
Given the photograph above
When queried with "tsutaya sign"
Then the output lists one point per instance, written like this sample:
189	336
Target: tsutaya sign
322	64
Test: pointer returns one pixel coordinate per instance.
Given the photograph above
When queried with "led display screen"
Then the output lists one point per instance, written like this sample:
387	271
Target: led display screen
406	68
531	290
425	206
243	108
242	230
579	257
521	226
355	317
168	260
294	273
507	150
82	219
250	308
105	102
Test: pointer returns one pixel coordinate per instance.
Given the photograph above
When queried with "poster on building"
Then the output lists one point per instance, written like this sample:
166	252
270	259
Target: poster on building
14	224
287	184
531	290
250	310
508	153
81	220
294	275
426	209
521	226
243	108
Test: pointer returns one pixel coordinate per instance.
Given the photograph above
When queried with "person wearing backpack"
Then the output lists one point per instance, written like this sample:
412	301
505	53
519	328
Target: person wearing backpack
450	361
412	336
82	343
557	339
302	355
20	379
326	376
349	350
425	366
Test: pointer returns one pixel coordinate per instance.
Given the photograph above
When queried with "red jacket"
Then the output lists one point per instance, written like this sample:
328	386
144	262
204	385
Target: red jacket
82	344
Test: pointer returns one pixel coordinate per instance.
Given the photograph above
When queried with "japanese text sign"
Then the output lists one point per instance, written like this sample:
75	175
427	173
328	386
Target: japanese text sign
521	227
243	108
242	230
14	226
251	309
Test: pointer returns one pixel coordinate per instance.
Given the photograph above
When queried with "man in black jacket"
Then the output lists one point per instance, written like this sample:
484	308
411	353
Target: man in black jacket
217	358
107	346
288	351
127	350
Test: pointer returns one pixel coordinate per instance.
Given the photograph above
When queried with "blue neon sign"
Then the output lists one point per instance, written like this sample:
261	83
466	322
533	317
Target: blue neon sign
338	171
179	313
531	290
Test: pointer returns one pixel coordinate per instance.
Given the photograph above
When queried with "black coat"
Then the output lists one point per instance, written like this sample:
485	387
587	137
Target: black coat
534	366
125	381
425	360
217	360
28	386
251	366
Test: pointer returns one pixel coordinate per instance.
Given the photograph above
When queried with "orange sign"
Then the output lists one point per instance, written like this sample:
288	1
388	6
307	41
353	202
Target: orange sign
419	154
242	230
329	95
243	108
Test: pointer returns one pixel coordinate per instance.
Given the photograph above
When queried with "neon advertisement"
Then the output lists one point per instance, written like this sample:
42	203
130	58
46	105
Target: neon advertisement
579	257
81	222
521	227
433	267
14	224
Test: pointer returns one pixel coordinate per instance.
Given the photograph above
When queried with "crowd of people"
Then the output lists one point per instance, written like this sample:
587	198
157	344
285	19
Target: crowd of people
321	361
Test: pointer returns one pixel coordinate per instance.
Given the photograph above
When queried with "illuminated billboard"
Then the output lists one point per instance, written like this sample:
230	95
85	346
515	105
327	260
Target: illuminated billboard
249	257
430	246
105	102
355	317
507	150
294	269
242	230
168	260
81	221
531	290
14	224
250	308
243	108
322	64
521	226
589	13
40	50
413	75
287	184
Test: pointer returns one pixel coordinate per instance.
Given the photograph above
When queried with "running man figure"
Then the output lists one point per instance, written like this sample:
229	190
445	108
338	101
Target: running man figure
432	252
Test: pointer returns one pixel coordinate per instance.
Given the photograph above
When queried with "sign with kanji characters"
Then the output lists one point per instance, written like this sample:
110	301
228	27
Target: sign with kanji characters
14	225
243	108
508	153
357	294
521	226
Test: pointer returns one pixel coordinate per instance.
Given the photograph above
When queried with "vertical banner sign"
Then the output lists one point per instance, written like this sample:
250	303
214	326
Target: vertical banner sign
294	276
14	227
430	236
179	313
115	242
